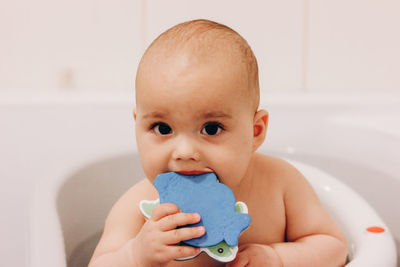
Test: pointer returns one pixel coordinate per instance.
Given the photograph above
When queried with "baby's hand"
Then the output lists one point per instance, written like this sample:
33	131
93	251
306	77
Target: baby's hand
155	244
256	255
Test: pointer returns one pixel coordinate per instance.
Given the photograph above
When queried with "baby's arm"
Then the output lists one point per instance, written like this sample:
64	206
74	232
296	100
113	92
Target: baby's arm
313	238
129	240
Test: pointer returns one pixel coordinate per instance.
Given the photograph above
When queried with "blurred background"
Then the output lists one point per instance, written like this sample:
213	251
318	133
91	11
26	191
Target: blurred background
301	45
53	49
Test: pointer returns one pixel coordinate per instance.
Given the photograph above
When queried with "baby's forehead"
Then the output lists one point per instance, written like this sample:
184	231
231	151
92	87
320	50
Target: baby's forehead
165	76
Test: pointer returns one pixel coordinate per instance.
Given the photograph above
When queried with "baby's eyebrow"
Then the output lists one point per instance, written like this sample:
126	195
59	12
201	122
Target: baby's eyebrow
216	114
207	115
154	114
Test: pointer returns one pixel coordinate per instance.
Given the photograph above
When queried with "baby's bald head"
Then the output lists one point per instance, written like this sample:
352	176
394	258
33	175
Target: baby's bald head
204	42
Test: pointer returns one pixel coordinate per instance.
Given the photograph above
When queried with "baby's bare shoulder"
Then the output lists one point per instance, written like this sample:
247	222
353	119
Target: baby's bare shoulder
126	209
142	190
278	170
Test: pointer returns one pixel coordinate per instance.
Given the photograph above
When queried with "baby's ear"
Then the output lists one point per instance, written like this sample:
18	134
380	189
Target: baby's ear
134	113
260	124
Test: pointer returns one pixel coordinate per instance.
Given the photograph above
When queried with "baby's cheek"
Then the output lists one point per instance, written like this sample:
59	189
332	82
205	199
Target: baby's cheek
150	163
231	167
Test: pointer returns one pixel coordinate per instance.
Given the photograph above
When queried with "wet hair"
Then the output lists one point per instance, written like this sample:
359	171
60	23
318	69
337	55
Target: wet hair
206	37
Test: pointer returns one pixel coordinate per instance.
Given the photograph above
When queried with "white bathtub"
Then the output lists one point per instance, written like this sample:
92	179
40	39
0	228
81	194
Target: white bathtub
78	147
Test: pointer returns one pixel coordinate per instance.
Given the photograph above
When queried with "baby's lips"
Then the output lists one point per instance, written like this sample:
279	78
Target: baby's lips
192	172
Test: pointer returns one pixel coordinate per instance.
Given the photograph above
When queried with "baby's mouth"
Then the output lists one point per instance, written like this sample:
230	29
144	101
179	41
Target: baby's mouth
192	172
196	172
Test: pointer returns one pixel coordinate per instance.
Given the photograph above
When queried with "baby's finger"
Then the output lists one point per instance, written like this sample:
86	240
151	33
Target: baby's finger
177	235
181	252
178	219
163	210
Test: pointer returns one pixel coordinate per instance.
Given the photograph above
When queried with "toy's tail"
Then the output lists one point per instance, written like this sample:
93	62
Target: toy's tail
240	222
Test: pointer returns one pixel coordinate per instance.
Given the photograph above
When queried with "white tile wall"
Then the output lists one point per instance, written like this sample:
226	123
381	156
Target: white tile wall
301	45
353	45
50	44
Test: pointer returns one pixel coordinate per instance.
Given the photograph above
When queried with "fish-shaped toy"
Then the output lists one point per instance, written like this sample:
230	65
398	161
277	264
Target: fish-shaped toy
223	219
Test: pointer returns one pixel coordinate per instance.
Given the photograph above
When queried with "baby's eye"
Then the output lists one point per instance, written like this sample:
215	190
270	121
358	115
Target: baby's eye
212	128
161	128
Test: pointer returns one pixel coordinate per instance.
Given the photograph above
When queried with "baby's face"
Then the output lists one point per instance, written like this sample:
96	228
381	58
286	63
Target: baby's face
193	118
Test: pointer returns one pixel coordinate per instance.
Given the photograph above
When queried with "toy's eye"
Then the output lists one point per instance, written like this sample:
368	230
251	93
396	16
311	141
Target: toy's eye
220	250
212	128
161	128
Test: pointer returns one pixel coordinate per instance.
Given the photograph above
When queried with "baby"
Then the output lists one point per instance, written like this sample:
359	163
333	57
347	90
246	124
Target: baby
197	97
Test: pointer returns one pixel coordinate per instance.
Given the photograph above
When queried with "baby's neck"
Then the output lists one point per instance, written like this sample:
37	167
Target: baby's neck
244	187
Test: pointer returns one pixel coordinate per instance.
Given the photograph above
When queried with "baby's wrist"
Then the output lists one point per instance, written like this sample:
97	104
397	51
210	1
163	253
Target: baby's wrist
132	254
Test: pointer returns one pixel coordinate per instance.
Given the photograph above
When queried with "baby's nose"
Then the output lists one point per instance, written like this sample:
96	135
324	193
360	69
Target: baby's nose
185	149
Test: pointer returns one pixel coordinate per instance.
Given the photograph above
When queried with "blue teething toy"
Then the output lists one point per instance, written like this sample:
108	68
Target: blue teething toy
223	219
